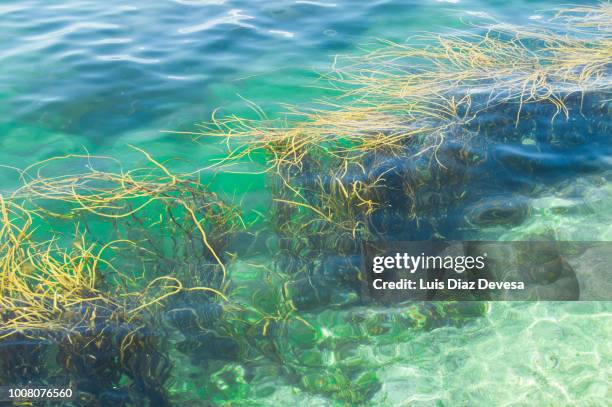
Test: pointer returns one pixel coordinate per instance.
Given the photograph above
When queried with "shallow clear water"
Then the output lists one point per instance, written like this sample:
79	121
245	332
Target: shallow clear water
520	355
95	76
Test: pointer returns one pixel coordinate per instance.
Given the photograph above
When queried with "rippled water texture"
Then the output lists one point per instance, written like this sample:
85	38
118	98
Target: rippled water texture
91	73
94	76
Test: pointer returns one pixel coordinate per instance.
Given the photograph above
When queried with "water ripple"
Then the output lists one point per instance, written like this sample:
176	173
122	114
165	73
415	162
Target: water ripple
129	58
233	16
73	28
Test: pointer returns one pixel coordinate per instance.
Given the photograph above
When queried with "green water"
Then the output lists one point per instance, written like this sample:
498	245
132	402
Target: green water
85	76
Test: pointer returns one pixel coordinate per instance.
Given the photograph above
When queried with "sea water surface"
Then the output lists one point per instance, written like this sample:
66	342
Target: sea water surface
89	76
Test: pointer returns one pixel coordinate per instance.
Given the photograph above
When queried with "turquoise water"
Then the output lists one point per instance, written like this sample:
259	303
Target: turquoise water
90	76
97	75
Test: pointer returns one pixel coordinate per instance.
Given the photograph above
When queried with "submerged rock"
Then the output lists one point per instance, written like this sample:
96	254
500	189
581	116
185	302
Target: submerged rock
498	212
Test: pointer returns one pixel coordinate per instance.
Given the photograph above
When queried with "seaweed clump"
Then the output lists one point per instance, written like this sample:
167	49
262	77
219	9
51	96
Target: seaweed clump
91	312
52	303
433	139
